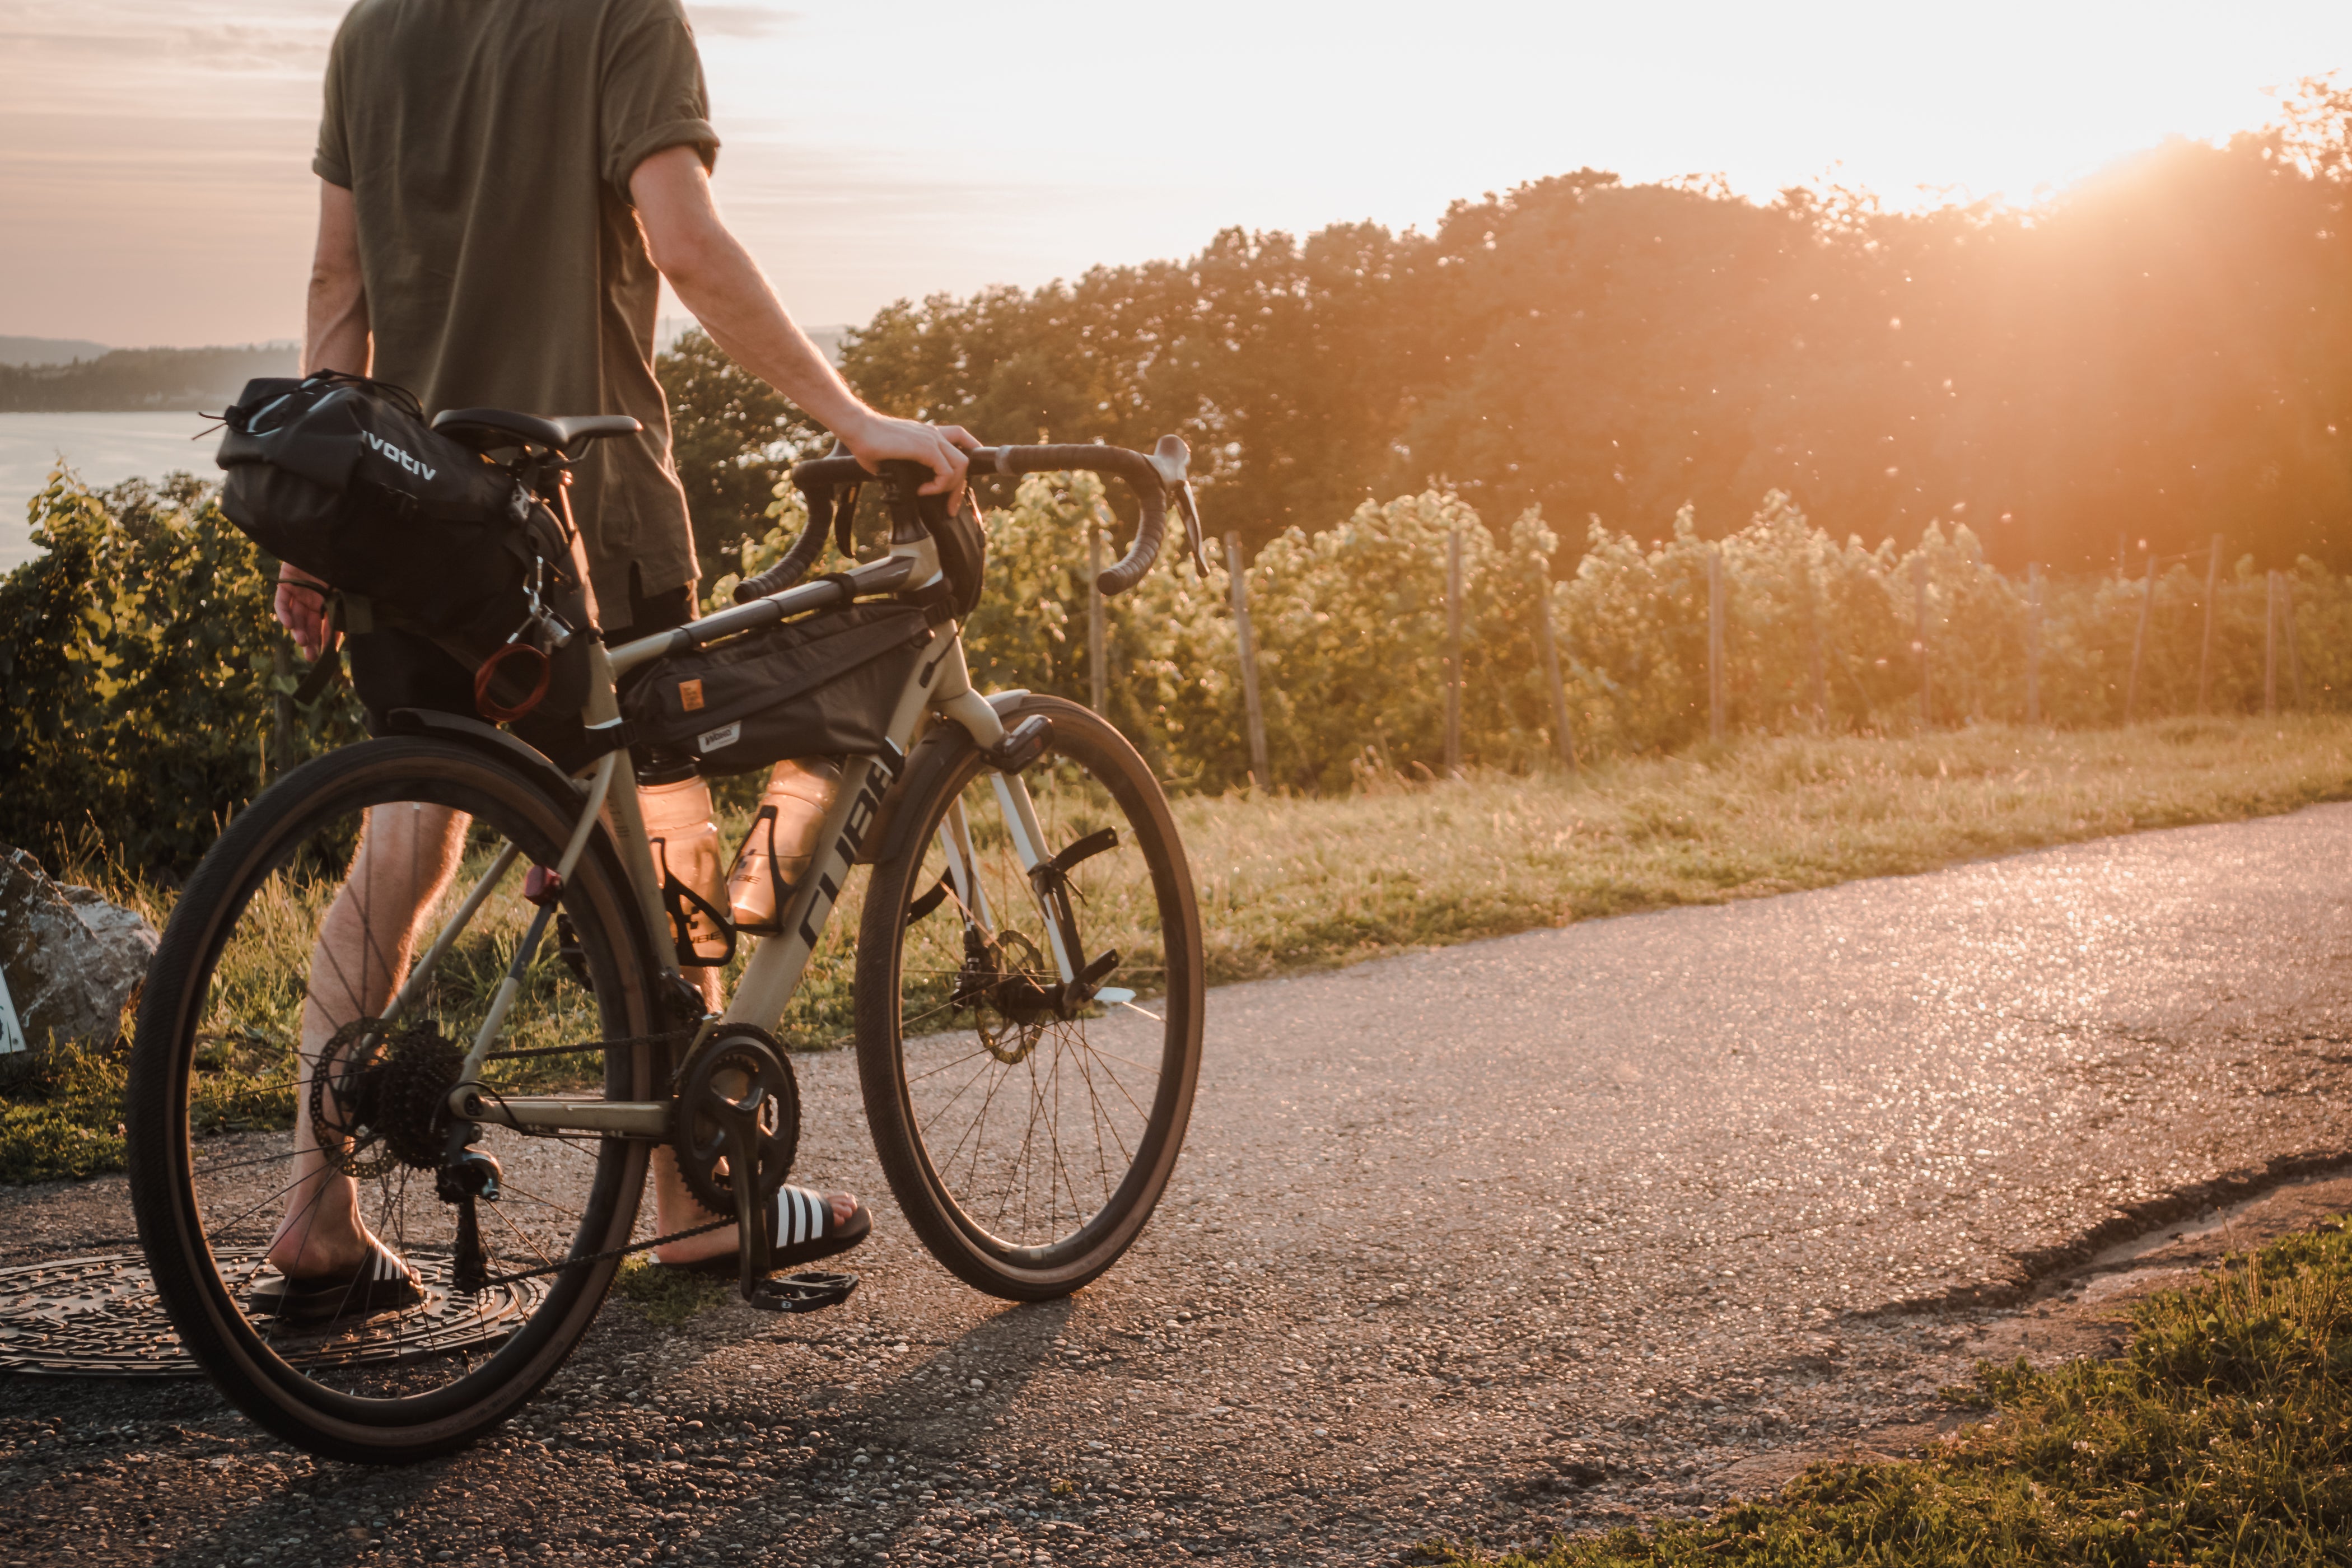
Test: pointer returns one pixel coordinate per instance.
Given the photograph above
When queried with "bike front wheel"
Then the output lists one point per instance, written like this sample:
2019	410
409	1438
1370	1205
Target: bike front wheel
271	1105
1027	1140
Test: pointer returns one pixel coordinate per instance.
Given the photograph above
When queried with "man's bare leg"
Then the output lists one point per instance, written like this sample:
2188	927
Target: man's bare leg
407	859
407	856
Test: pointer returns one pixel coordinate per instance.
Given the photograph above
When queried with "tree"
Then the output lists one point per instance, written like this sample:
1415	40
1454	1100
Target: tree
2161	353
732	436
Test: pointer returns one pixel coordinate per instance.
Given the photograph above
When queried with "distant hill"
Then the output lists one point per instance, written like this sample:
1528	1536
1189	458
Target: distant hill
46	350
60	375
132	380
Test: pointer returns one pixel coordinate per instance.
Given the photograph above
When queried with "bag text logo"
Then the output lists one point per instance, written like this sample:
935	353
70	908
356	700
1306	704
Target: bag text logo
387	449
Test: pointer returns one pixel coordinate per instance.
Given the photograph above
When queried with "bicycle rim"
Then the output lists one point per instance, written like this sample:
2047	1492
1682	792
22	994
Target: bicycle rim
254	976
1029	1143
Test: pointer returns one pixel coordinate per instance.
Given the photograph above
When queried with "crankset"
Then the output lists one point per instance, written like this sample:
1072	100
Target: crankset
736	1130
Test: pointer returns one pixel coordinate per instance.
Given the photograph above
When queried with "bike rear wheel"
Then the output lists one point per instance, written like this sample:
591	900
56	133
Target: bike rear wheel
277	952
1027	1144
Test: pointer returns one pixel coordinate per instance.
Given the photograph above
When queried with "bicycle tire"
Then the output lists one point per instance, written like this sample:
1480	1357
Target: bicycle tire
1088	774
357	1413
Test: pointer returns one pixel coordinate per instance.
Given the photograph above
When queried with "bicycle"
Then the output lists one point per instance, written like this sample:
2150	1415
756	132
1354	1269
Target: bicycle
1028	995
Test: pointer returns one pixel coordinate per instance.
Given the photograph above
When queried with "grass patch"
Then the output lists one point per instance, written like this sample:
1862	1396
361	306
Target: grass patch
61	1109
1291	883
668	1296
60	1112
2221	1436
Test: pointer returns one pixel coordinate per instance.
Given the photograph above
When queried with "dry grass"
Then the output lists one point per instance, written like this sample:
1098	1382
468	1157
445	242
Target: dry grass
1288	884
1296	883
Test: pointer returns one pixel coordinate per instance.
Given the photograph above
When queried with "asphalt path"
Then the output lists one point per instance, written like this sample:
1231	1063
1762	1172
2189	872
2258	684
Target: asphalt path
1519	1237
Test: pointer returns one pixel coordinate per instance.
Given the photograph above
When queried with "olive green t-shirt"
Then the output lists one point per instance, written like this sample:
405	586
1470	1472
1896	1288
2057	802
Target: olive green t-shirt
488	145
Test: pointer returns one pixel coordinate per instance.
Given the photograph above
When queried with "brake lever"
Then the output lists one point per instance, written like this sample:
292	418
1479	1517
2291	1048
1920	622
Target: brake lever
1190	509
1171	459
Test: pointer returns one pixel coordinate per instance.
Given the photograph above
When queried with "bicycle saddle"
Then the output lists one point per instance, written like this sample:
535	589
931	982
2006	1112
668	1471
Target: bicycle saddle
504	427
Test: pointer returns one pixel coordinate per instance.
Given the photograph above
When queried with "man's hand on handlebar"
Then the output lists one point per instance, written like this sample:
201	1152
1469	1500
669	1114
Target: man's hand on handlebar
939	447
302	610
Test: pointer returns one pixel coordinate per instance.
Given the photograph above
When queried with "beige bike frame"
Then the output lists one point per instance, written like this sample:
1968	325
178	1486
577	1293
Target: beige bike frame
940	690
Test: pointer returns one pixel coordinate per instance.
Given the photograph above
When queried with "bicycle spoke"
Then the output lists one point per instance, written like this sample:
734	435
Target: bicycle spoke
301	957
1036	1171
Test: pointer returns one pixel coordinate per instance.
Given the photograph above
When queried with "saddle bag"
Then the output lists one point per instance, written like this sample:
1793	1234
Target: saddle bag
344	477
824	685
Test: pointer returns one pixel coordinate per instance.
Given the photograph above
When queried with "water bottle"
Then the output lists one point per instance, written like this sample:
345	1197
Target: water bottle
685	846
782	840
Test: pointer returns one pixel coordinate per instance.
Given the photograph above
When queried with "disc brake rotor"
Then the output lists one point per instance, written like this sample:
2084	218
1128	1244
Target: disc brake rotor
1012	1009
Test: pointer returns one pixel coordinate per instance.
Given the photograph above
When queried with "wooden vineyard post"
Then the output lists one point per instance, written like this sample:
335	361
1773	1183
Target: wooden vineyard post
2140	638
1567	742
1254	714
2287	630
1453	652
2270	643
1919	620
2033	642
1714	643
1814	639
2205	651
1097	678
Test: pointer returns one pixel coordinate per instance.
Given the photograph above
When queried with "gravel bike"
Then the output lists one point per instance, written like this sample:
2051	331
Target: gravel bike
1028	995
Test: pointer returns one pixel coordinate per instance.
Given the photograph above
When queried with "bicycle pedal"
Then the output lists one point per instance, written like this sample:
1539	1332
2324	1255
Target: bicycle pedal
811	1292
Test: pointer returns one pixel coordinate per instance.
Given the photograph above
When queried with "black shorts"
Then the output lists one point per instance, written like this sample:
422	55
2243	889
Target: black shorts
392	670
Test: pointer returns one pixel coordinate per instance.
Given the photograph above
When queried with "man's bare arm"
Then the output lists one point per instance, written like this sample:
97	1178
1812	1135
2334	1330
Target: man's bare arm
335	337
716	280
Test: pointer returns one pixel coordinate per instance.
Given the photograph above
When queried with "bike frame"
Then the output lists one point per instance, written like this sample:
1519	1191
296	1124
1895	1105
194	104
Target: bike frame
939	691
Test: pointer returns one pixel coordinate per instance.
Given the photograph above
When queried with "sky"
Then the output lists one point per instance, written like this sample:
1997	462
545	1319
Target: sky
154	154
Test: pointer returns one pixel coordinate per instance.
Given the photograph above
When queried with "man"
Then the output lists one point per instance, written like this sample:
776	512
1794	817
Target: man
504	183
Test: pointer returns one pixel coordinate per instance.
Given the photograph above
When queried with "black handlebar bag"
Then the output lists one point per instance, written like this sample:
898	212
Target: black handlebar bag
344	477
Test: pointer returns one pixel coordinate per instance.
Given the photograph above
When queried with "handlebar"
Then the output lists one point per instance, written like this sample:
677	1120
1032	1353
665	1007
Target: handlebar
830	484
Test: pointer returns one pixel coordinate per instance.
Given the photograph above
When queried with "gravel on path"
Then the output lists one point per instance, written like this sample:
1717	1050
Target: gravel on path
1556	1231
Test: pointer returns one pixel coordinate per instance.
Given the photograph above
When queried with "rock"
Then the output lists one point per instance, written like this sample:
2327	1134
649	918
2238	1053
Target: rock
68	960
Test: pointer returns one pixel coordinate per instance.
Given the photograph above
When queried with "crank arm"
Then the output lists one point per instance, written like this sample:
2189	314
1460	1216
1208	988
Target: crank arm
752	1233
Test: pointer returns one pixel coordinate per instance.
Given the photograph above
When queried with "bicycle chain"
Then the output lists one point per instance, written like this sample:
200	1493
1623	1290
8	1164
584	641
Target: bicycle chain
600	1256
670	1037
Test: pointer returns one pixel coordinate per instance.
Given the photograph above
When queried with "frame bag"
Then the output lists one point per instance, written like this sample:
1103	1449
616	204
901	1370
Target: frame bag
820	686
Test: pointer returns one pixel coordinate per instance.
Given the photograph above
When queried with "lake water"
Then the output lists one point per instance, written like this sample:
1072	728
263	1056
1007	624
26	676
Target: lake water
103	448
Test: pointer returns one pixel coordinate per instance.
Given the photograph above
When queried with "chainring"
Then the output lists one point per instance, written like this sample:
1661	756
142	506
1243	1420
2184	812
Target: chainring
740	1072
381	1098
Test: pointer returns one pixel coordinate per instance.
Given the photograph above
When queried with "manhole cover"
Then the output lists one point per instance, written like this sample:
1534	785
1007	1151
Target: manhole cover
98	1317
